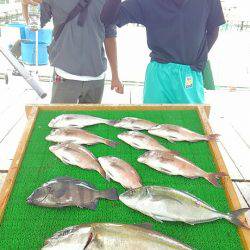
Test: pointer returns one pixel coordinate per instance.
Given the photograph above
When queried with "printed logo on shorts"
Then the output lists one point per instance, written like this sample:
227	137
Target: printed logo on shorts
189	82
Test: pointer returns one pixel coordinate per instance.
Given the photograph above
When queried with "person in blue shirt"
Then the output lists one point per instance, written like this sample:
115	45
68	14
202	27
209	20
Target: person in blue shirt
180	33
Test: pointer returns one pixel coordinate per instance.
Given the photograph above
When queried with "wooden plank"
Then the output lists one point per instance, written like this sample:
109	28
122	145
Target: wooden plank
233	171
233	144
2	178
244	188
9	145
9	119
243	201
227	183
79	107
10	179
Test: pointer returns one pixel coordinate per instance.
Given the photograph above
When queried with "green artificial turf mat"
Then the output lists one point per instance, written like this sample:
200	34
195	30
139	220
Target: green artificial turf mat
27	227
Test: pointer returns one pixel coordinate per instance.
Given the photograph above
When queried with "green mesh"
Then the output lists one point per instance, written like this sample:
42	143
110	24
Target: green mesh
27	227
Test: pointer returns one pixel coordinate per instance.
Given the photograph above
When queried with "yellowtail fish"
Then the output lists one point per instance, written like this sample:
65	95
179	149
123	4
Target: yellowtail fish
168	204
107	236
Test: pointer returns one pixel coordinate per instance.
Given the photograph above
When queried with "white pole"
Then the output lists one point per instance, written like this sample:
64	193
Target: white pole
25	73
37	44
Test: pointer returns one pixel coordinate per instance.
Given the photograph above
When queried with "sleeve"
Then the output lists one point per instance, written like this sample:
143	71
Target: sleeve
110	31
216	16
131	11
46	13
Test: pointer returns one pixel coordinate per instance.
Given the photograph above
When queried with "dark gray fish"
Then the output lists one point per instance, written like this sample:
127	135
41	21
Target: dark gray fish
66	191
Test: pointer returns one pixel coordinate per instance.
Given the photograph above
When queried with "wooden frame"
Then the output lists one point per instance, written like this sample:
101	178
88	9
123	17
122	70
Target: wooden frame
203	111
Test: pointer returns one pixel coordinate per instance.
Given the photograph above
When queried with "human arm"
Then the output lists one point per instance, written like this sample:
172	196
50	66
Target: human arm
215	19
212	36
111	51
25	5
129	11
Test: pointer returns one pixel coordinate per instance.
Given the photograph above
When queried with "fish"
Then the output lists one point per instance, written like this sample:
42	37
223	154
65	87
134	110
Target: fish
171	164
175	133
133	123
109	236
168	204
77	121
77	136
73	154
120	171
66	191
139	140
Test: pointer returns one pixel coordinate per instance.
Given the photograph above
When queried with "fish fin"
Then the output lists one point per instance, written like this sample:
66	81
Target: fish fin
170	139
189	223
110	194
65	160
101	171
163	170
234	218
212	137
111	122
91	205
111	143
158	218
145	225
212	178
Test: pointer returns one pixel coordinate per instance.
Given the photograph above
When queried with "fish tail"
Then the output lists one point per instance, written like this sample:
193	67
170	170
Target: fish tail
110	194
174	152
111	143
234	218
212	137
111	122
213	178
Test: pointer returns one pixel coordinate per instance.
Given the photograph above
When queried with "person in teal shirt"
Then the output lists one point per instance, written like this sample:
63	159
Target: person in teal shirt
180	33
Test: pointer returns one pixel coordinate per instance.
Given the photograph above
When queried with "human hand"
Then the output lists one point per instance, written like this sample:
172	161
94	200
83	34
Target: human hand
117	85
32	2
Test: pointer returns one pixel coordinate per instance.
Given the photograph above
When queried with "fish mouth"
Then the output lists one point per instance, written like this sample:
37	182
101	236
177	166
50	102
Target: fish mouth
48	138
52	123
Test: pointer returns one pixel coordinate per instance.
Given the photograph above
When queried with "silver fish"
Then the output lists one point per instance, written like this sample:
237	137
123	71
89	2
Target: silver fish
73	154
120	171
78	121
107	236
139	140
168	204
77	136
65	191
175	165
175	133
133	123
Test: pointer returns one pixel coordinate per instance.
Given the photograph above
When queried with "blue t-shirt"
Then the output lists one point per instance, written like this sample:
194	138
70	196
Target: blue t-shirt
176	29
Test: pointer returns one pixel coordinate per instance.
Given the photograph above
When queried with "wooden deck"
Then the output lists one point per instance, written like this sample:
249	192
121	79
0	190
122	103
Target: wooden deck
229	117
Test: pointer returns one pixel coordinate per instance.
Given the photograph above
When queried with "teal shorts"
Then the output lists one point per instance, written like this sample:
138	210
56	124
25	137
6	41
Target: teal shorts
172	83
